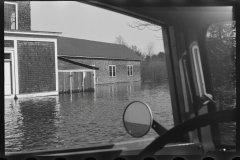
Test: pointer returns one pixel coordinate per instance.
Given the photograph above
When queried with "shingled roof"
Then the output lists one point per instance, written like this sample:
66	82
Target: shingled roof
71	47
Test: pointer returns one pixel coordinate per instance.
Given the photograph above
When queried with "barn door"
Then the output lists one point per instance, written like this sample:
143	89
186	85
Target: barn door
64	82
77	79
70	82
89	81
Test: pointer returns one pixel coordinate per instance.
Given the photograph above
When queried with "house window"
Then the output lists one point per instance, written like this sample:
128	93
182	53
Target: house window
10	15
112	70
130	70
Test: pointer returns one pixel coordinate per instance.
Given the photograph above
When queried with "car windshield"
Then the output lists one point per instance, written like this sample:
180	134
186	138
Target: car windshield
89	108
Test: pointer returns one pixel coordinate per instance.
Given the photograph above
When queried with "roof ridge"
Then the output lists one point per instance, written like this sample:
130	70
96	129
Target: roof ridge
91	40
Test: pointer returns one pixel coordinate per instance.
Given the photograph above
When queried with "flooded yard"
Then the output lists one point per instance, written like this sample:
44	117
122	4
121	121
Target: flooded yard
81	119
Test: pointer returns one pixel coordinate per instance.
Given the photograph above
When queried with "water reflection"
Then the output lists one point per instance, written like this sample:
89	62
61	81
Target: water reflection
28	121
81	119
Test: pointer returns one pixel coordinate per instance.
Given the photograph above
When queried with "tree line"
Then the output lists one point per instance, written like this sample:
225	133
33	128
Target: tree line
152	66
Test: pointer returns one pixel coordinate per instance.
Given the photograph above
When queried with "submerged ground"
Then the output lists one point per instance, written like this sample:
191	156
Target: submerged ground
81	119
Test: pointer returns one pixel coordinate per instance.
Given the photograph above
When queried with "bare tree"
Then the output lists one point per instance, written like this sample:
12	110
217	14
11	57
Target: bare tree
136	50
150	48
142	25
120	40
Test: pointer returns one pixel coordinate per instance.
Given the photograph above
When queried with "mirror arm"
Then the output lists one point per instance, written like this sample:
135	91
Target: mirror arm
158	128
206	98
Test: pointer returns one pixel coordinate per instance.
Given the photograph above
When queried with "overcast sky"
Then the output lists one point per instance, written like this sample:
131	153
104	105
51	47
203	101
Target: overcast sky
78	20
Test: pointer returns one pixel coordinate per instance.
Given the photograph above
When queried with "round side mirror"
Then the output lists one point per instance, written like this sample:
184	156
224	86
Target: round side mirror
137	119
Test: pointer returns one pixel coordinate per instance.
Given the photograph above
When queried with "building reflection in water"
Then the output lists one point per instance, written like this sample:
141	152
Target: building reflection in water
80	119
32	123
13	119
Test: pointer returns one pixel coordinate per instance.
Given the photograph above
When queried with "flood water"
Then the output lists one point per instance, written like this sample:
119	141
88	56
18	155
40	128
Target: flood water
81	119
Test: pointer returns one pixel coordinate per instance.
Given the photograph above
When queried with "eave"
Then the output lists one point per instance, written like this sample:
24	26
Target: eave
78	63
40	33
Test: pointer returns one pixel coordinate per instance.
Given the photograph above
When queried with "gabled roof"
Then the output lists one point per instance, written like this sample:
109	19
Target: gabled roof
71	47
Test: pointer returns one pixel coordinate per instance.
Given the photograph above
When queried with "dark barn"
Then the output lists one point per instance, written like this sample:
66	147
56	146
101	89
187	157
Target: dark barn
107	62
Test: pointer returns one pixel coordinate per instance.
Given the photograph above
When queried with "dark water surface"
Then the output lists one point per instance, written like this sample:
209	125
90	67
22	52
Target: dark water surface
81	119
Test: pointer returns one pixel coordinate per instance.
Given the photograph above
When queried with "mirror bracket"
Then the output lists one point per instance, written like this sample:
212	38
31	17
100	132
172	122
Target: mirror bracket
158	128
